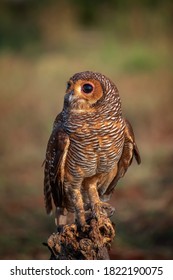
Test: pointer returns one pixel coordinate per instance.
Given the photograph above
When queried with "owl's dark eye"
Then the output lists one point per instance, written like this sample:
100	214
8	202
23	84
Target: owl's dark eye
68	86
87	88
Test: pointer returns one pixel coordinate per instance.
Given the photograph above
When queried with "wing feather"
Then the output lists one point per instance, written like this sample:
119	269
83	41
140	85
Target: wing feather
56	153
130	150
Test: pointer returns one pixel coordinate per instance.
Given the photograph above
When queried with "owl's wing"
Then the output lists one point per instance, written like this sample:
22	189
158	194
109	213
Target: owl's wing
130	150
56	153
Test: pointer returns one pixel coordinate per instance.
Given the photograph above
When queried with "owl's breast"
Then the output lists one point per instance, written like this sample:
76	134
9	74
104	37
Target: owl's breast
108	152
95	150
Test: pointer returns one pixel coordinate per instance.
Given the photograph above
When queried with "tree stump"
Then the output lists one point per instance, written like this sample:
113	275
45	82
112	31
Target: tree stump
71	242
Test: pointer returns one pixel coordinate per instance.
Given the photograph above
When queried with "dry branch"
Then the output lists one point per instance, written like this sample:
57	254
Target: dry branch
70	242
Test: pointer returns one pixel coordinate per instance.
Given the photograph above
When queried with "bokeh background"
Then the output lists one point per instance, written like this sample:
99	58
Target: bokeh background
43	43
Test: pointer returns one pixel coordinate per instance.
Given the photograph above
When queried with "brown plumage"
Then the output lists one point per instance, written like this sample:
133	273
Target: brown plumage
89	150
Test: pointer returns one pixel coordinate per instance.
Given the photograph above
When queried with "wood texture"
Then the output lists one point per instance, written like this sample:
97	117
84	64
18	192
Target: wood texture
93	242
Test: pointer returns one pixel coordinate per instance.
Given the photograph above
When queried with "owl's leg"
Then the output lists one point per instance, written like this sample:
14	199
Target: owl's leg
75	198
96	204
79	207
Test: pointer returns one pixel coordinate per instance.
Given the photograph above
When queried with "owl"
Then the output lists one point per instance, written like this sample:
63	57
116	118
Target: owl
90	148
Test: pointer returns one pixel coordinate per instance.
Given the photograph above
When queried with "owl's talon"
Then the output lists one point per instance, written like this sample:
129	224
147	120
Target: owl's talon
102	209
97	211
108	209
85	228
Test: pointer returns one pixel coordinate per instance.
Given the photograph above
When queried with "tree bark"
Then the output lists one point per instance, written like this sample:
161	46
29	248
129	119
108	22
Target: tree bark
93	242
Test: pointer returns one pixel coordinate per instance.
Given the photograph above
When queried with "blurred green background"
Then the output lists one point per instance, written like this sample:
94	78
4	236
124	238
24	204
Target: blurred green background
43	43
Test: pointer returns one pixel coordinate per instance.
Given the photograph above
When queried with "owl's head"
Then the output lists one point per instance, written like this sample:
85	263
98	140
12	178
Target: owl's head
87	90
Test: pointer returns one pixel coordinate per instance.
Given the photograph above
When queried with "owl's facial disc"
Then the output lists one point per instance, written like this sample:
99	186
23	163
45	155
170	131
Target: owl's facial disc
83	94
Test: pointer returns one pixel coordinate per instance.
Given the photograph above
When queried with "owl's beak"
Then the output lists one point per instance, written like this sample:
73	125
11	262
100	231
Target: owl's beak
74	95
71	96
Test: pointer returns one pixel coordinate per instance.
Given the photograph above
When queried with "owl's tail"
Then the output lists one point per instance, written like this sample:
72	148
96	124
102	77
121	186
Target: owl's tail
60	216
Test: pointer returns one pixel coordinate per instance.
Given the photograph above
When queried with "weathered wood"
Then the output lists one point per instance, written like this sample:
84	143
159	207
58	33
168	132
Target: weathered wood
71	242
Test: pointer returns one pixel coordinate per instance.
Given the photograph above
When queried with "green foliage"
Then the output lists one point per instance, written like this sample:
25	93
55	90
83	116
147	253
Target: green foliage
24	23
140	59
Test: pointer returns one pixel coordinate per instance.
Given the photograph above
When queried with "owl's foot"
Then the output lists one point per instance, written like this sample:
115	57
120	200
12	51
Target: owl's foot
81	221
106	207
102	209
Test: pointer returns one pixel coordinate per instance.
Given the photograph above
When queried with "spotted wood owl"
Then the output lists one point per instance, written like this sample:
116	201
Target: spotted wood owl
90	148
